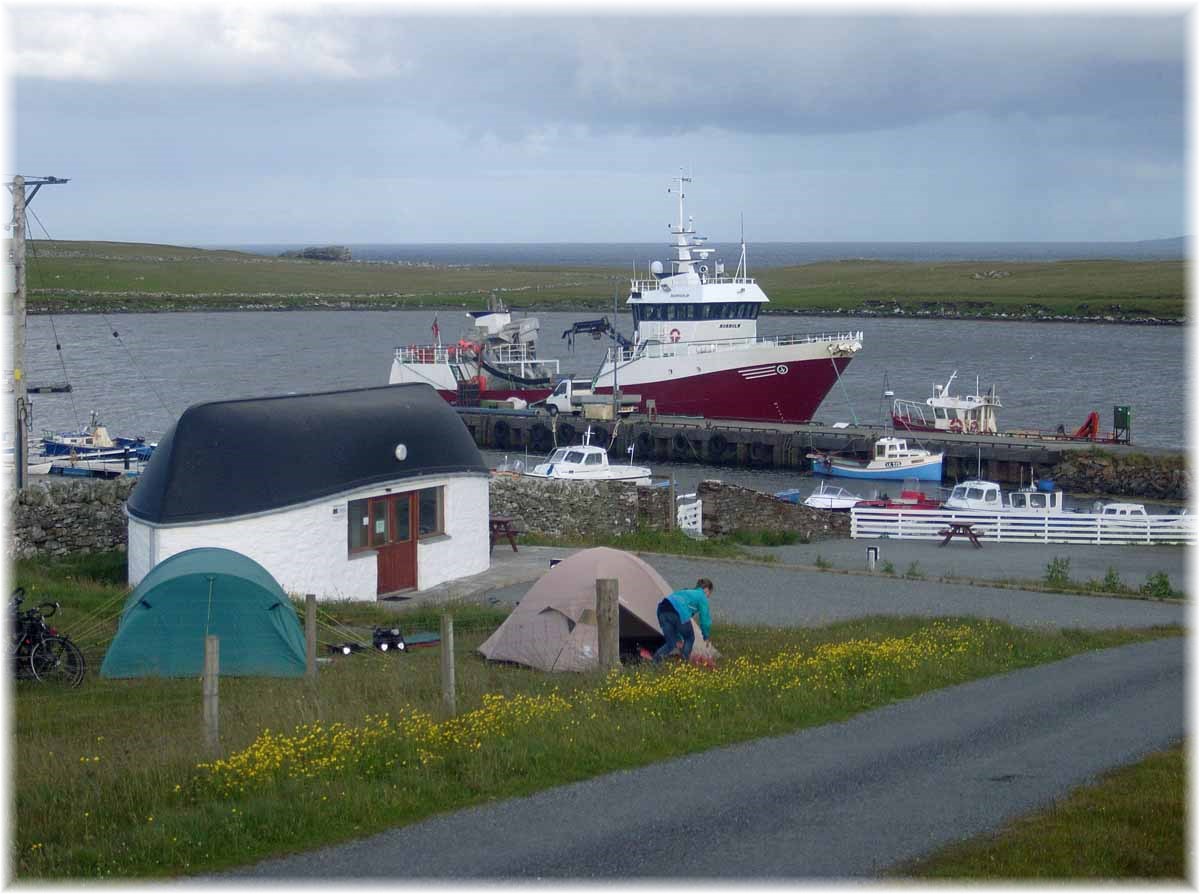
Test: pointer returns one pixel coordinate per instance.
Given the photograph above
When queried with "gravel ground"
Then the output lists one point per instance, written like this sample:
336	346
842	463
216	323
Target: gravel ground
756	593
995	561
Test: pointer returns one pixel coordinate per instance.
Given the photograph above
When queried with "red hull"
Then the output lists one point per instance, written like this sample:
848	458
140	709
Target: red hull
728	394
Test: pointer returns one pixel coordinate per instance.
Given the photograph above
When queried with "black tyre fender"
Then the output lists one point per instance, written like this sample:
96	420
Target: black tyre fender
540	437
717	445
645	442
680	443
566	433
500	433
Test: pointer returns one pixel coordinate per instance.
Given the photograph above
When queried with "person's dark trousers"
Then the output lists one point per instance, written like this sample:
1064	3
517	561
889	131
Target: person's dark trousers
674	629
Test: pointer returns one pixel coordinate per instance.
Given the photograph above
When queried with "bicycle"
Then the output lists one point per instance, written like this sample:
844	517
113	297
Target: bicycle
39	651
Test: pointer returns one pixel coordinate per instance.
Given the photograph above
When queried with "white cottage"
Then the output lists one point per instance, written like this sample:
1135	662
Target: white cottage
346	494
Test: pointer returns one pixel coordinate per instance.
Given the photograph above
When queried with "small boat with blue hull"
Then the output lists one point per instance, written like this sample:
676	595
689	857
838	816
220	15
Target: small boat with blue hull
892	459
94	441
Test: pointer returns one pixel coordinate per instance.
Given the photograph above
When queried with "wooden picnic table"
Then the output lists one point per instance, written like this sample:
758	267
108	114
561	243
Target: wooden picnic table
502	526
960	529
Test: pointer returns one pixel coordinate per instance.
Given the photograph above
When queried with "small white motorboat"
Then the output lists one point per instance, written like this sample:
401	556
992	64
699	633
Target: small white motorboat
586	462
986	496
831	497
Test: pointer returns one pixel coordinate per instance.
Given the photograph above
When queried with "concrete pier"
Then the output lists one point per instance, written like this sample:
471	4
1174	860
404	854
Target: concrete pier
1004	458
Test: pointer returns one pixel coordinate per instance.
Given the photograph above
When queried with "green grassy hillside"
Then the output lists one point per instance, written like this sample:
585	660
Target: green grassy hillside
113	276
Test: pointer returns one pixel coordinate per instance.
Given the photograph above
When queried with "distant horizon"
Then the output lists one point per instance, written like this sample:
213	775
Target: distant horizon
274	243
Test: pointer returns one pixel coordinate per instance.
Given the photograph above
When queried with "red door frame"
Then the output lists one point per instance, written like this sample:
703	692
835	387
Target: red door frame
396	559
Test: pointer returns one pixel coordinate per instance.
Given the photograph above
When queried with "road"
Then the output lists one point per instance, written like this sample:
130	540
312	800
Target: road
846	800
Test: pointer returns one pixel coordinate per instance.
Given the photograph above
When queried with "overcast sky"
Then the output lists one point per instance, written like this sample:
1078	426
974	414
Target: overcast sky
227	125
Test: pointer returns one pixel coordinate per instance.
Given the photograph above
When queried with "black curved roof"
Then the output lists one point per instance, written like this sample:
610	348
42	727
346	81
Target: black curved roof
234	457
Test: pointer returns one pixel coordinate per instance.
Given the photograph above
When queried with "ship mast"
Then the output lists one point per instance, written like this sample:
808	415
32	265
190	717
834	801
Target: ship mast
683	262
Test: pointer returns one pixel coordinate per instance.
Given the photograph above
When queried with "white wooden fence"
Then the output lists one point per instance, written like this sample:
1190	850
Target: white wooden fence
1068	528
689	514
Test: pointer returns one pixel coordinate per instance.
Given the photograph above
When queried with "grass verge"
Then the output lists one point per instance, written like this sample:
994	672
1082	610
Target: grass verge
1129	825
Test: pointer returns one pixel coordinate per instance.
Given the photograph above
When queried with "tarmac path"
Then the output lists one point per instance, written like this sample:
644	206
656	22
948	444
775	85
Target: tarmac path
845	800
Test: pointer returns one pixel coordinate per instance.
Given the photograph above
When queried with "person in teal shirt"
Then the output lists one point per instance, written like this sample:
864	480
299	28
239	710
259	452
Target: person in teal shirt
675	618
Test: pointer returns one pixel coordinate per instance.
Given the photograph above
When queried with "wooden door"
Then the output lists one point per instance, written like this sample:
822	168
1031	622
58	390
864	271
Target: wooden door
396	555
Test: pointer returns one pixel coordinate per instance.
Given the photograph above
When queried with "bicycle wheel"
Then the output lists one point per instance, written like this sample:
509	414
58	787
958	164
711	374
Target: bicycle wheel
58	661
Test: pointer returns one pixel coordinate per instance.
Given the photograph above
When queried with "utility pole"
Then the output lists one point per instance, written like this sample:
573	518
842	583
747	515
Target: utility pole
20	392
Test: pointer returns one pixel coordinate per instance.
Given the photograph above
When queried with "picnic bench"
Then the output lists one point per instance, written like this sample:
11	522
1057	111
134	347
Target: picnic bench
502	526
960	529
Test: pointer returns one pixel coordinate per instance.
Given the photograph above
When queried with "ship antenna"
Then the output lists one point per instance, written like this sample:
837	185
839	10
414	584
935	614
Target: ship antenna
742	270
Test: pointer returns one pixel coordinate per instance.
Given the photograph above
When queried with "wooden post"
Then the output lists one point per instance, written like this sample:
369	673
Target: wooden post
310	635
608	626
21	401
448	701
212	673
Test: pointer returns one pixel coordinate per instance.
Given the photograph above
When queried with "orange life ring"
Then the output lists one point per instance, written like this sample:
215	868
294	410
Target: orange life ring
674	335
956	425
973	425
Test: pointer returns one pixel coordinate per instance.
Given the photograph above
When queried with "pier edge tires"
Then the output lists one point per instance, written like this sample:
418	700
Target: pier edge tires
566	433
57	661
760	453
500	433
645	442
540	438
680	445
717	445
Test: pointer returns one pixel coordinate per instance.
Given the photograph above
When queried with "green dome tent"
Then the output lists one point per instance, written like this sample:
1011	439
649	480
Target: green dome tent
201	592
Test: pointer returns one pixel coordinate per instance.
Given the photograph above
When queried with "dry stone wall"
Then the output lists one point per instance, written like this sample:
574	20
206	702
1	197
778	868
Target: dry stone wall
566	509
59	518
729	508
579	508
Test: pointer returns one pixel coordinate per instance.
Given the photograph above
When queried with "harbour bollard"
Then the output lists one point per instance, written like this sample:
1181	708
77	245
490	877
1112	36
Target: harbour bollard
872	557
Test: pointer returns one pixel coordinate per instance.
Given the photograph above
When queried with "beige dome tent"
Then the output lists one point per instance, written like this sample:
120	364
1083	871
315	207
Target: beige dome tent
554	627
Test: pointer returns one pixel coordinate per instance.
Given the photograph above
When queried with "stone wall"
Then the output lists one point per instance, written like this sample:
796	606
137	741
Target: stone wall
1133	475
58	518
729	508
578	508
561	508
55	518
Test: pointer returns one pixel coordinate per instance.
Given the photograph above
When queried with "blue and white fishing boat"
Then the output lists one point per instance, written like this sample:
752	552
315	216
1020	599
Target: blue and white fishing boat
892	460
94	441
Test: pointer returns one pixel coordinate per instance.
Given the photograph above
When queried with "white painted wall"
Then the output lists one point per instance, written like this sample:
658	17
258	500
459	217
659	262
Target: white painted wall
306	547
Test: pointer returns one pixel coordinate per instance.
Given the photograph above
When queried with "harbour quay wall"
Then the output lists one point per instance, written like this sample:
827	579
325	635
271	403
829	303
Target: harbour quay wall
580	509
1006	459
61	518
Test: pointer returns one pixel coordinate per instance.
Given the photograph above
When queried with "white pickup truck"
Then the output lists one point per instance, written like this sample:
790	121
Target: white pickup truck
573	395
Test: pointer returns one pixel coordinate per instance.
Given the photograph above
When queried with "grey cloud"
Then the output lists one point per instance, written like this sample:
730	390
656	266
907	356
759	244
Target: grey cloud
513	76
